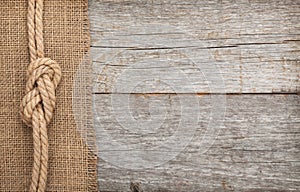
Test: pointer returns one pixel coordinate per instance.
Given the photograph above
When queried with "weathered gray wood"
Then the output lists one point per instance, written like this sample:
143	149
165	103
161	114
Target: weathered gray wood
257	148
252	45
183	47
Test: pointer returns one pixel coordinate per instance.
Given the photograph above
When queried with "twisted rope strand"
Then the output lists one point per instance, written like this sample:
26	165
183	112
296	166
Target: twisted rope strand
39	27
38	104
31	31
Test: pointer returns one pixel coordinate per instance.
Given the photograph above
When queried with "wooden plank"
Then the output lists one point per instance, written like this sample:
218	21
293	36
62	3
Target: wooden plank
171	46
184	47
255	149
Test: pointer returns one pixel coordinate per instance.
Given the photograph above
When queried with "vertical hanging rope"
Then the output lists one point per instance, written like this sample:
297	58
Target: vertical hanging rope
38	103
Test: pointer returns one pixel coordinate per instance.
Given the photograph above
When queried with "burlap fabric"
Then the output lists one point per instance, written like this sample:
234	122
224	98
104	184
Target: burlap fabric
72	161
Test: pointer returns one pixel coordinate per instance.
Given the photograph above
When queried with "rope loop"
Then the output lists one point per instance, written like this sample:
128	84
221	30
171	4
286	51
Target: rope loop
44	75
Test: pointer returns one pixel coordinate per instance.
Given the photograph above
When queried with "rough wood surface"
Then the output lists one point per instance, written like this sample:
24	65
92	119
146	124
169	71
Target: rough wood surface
169	53
252	45
257	148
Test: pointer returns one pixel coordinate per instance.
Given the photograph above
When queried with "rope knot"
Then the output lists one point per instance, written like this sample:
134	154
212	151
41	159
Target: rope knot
44	75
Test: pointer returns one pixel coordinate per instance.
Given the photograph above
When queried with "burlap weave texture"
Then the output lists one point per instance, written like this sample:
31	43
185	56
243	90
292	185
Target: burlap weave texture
72	163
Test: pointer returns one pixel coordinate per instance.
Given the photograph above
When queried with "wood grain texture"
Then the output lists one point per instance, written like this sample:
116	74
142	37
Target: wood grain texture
256	149
252	45
168	53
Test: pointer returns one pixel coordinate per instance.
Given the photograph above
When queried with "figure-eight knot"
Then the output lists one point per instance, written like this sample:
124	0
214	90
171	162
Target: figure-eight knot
37	109
44	75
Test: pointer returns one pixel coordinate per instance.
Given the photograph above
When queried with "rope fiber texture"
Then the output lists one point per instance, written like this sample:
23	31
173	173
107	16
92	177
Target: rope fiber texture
37	106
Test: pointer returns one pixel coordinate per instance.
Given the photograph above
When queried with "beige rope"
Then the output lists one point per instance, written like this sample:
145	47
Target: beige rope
38	103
